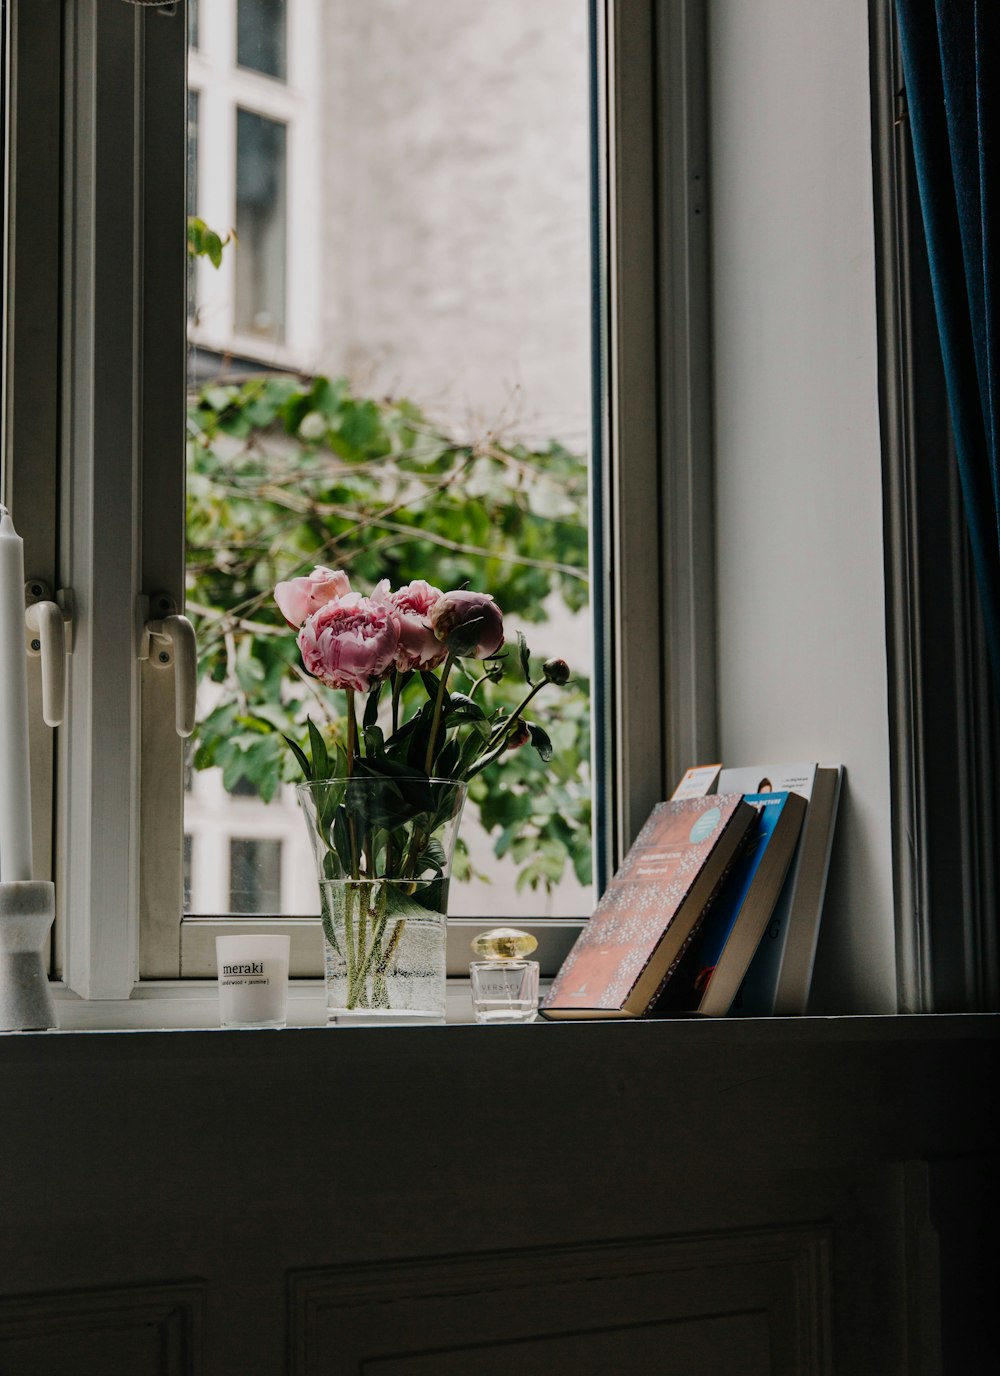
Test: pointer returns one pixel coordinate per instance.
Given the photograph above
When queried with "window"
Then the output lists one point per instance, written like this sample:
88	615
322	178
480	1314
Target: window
94	418
192	195
260	108
261	213
254	875
123	839
261	36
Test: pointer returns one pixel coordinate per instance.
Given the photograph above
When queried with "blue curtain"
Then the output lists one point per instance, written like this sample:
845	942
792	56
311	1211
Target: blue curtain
951	66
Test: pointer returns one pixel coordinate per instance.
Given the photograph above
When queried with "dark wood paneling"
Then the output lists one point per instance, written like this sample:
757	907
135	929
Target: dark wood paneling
740	1303
152	1330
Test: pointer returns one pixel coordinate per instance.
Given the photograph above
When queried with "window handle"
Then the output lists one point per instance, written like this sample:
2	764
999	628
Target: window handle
47	623
169	640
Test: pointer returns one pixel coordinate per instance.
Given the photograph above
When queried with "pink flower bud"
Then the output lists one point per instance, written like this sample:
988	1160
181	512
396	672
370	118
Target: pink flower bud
351	641
300	597
519	736
469	623
419	647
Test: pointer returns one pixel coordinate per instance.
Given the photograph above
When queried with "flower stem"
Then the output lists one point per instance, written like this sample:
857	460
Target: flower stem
397	688
495	744
504	727
436	721
352	741
352	731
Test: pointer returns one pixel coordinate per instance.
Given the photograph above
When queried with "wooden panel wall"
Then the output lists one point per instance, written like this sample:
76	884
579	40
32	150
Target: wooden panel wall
772	1198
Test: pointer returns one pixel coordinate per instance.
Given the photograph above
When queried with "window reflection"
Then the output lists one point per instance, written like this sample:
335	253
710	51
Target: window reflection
261	157
260	36
188	855
254	875
192	193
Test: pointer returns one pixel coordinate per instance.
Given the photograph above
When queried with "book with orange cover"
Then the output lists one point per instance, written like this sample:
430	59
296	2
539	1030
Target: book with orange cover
651	909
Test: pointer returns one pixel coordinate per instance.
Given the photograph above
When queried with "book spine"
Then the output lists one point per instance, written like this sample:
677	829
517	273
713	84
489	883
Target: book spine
794	976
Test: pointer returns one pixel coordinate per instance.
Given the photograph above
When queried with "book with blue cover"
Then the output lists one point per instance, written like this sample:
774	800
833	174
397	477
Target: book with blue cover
780	973
711	970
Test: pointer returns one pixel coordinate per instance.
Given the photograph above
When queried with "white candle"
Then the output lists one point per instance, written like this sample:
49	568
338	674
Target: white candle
15	787
253	980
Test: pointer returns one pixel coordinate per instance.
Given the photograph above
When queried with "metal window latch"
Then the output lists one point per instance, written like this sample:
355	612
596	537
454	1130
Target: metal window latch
50	637
168	640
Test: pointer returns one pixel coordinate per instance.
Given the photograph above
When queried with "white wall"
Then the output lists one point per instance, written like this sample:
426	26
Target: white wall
801	611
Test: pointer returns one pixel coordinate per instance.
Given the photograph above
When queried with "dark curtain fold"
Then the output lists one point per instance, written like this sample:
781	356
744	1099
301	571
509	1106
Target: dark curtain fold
951	61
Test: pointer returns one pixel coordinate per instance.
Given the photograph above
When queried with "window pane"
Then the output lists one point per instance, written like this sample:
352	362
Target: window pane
188	861
260	36
254	875
192	11
192	194
260	225
390	374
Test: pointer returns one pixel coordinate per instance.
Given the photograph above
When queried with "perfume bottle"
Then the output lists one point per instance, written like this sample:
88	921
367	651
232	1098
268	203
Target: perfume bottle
504	983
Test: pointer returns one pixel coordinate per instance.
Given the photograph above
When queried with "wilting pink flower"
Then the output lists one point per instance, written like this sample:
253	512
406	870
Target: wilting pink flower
351	641
469	623
298	598
419	647
519	735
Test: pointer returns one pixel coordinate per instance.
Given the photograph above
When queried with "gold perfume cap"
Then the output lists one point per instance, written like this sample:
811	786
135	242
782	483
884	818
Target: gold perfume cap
504	943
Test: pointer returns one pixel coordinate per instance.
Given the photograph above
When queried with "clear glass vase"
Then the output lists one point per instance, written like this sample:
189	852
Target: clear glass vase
383	849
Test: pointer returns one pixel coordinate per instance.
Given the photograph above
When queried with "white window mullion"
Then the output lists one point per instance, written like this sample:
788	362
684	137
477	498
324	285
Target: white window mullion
97	869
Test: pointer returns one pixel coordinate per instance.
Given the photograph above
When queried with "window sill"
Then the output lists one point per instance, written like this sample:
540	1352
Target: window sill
193	1004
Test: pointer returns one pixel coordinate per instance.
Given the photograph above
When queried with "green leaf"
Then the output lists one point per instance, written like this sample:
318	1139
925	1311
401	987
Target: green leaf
524	655
446	764
540	740
432	684
301	756
374	742
320	758
371	706
461	708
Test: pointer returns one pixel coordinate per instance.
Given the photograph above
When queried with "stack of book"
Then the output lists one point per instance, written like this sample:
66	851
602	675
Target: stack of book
716	908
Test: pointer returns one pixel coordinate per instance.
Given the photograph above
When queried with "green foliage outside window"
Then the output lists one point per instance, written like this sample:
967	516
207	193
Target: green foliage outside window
284	474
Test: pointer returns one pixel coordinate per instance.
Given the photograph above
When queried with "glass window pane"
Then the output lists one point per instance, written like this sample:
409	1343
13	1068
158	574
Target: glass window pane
260	225
192	194
392	376
188	857
192	11
254	875
260	36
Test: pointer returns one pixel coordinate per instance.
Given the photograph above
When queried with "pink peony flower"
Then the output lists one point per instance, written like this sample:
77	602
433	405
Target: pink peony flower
419	647
298	598
469	623
351	641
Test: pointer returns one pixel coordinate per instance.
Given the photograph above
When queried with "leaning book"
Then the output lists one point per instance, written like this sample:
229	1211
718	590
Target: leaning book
780	974
651	909
709	974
